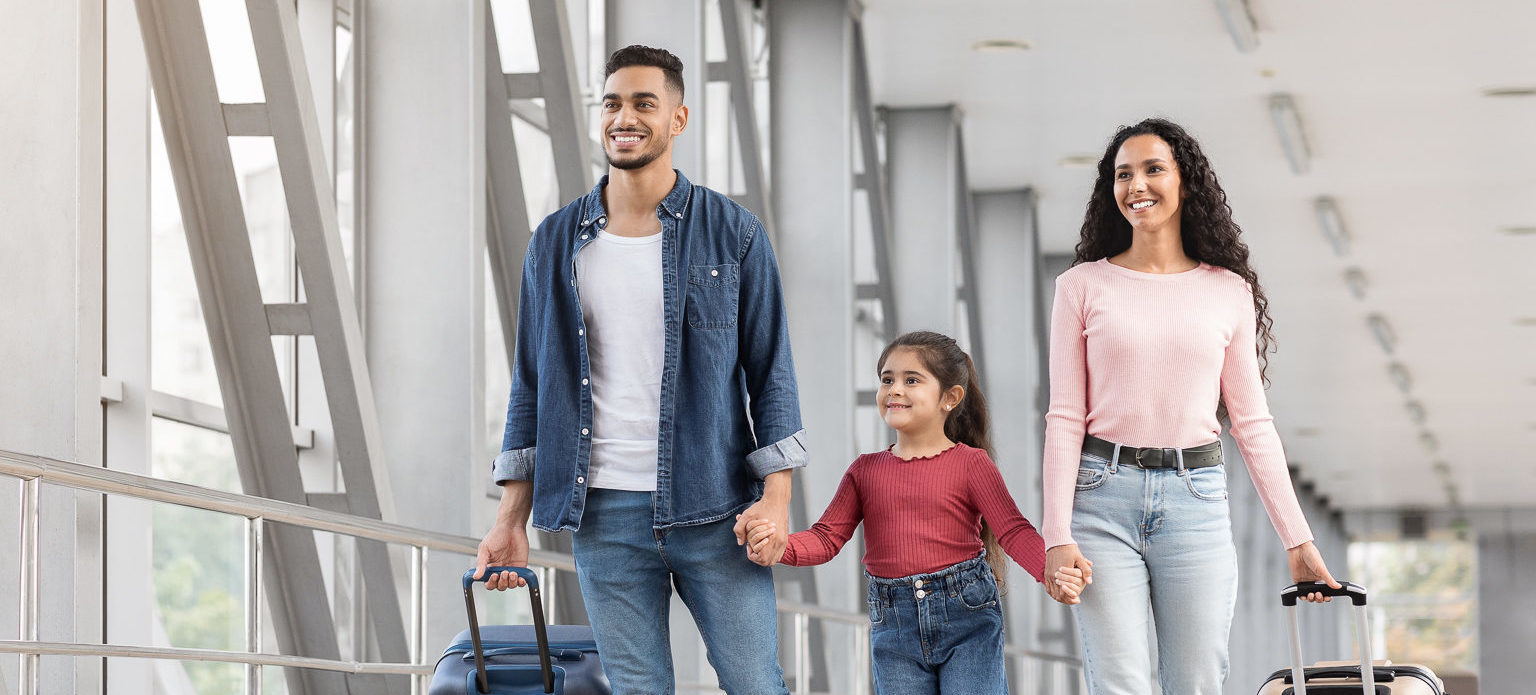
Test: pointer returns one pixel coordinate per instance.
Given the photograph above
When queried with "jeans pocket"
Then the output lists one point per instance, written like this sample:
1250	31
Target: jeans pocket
979	592
876	612
712	294
1208	484
1092	471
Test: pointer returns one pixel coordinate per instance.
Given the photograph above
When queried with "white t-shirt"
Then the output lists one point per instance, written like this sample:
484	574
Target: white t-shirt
619	284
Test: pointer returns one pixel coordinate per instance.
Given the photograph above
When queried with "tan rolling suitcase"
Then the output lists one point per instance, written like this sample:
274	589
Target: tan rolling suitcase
1346	678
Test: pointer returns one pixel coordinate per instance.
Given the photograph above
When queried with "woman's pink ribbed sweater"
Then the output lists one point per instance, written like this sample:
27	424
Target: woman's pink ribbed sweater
1141	359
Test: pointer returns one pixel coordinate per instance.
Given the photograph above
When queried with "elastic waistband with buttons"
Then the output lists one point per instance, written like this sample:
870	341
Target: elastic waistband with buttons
919	580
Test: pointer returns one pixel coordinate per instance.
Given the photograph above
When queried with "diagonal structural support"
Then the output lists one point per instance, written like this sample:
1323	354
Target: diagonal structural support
965	230
307	187
874	183
562	97
212	215
749	143
196	130
508	234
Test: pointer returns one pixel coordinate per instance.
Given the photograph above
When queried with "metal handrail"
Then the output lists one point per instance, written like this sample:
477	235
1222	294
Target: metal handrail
258	510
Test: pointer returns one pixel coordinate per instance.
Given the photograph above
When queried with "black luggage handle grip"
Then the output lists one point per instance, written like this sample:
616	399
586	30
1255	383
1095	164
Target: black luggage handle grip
1355	592
1384	674
482	680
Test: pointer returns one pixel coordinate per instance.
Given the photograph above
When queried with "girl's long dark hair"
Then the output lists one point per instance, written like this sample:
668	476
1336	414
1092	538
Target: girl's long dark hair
967	423
1206	226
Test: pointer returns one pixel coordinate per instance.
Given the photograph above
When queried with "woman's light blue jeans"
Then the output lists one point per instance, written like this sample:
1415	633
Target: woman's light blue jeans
1164	563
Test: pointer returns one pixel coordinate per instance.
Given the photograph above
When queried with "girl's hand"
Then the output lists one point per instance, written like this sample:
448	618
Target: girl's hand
1064	557
1307	566
1070	582
760	533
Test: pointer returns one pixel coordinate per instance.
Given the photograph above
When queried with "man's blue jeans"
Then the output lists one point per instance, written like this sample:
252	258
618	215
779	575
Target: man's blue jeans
1159	539
627	571
940	632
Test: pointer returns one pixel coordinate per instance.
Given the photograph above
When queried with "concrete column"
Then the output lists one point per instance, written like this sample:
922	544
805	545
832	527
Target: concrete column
1506	610
50	296
923	156
812	153
1006	245
678	26
425	255
131	593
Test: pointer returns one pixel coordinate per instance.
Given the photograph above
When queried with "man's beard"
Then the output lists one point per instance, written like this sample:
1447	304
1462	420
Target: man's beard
640	160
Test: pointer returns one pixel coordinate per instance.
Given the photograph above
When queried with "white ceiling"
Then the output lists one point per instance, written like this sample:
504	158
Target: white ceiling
1426	171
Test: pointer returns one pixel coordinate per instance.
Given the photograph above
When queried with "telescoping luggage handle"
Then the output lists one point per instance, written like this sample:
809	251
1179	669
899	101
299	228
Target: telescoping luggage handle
482	680
1356	594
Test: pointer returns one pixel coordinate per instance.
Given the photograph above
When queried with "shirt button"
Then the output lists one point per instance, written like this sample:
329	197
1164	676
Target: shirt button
585	431
602	220
679	215
714	273
583	237
581	331
580	480
918	583
921	593
583	382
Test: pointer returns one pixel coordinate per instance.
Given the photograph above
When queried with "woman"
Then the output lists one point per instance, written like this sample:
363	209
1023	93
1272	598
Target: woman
1159	323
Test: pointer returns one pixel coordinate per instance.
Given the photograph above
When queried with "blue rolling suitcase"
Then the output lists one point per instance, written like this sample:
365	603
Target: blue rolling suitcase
519	659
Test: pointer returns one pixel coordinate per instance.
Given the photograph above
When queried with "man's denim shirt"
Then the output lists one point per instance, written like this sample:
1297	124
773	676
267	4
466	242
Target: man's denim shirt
730	409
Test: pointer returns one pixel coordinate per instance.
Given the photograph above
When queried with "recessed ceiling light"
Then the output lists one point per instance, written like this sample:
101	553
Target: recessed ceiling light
1510	91
1357	282
1399	375
1000	46
1078	161
1382	331
1519	231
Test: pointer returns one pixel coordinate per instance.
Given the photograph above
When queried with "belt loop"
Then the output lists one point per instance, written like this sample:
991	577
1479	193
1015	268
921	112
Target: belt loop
1178	454
1114	459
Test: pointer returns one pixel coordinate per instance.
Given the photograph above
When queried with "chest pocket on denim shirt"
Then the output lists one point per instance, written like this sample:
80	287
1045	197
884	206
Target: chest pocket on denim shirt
712	294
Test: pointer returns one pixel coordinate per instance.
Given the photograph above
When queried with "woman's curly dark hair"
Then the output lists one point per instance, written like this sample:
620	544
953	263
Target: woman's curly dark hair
1206	226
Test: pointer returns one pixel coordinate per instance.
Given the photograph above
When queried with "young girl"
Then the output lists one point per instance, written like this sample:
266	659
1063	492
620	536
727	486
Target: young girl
938	518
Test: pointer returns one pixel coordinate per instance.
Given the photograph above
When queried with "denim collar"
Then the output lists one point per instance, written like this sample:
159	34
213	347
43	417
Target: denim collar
674	204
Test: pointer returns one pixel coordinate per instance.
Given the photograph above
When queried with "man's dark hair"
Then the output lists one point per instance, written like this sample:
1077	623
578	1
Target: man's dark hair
645	56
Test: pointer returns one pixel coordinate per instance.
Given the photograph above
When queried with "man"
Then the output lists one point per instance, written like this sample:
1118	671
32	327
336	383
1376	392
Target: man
653	401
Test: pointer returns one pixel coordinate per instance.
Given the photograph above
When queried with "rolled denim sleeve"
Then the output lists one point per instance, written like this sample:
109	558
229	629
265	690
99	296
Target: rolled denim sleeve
765	358
781	455
516	464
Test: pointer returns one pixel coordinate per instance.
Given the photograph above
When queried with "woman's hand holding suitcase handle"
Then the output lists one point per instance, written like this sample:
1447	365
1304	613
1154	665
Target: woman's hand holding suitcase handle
1307	566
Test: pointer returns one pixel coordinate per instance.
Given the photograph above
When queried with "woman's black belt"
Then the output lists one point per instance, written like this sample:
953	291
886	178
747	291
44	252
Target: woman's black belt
1201	456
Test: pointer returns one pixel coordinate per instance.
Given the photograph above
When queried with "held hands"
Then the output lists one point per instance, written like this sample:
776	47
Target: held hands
763	528
1067	573
759	533
1307	566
